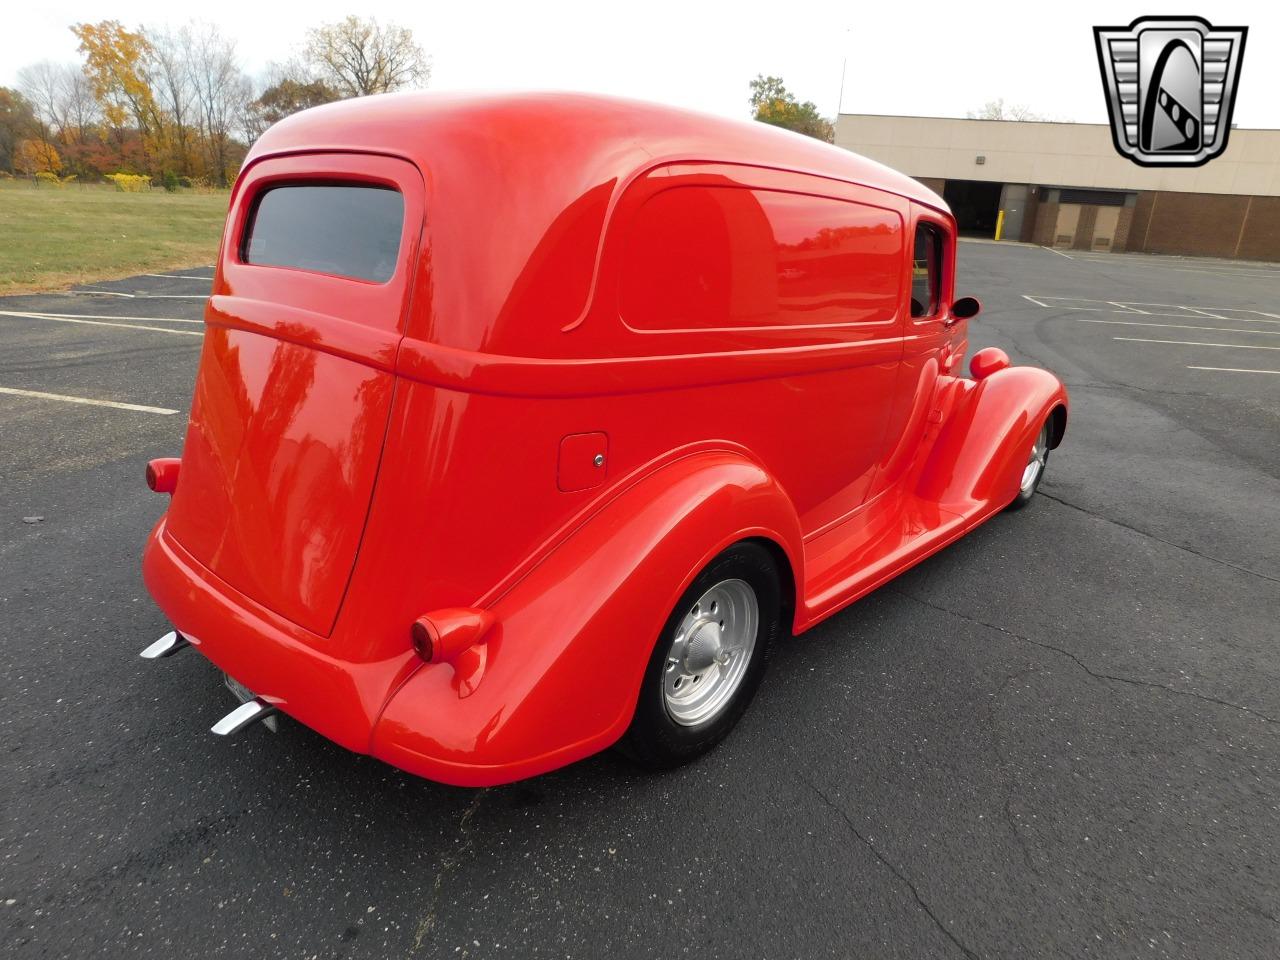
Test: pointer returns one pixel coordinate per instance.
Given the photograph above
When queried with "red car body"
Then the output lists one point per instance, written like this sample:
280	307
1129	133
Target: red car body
616	339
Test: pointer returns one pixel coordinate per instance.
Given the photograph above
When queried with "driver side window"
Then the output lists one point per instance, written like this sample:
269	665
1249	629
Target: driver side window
926	271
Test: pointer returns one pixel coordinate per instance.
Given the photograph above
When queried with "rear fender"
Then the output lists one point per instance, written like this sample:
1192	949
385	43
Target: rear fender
560	670
974	466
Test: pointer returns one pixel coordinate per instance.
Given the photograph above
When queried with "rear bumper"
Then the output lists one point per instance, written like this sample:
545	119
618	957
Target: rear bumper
283	663
402	711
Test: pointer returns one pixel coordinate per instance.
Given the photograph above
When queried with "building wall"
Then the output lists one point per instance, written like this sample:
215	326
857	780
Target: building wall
1260	236
1229	207
1199	224
1046	224
1123	228
1070	154
1082	226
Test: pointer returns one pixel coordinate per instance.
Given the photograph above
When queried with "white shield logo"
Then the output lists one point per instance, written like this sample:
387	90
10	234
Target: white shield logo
1171	86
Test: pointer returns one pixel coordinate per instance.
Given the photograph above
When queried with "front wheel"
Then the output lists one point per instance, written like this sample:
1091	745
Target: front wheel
709	659
1033	472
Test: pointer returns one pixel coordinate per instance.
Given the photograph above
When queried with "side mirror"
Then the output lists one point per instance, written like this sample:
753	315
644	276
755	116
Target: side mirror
966	308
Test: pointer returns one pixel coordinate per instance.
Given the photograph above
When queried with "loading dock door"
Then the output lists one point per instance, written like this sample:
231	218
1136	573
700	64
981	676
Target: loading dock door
975	204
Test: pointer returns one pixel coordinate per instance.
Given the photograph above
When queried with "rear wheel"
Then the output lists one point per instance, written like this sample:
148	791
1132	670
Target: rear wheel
709	659
1033	472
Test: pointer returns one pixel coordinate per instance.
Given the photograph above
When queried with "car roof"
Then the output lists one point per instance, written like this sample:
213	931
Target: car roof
587	127
519	186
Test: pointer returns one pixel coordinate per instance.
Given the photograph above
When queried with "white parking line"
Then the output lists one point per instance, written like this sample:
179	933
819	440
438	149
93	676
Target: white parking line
137	407
176	276
139	296
1196	343
100	323
1234	370
1144	303
1177	326
1132	306
1058	252
45	315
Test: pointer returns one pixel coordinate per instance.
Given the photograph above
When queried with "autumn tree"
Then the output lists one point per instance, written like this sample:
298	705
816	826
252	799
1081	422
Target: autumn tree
772	103
360	57
117	64
36	156
284	97
17	122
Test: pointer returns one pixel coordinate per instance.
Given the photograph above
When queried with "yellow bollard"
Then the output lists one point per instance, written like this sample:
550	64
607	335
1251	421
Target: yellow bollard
999	224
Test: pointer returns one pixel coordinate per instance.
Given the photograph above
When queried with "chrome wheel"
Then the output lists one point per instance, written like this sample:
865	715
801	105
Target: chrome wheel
710	651
1035	464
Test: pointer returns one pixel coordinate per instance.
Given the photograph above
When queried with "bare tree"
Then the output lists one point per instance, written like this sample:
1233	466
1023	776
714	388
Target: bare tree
42	86
80	110
360	57
175	88
62	97
221	90
999	110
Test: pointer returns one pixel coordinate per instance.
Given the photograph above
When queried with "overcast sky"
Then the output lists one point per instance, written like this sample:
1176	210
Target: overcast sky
934	59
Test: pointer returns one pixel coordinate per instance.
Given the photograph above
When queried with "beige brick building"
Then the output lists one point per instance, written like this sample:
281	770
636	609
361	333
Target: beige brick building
1064	185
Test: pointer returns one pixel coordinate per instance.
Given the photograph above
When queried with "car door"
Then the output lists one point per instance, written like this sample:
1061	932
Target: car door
934	344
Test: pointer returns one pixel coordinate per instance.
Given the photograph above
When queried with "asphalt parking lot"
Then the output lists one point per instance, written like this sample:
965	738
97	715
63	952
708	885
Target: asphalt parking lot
1060	737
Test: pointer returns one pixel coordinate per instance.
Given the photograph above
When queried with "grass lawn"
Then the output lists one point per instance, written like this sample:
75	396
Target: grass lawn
54	237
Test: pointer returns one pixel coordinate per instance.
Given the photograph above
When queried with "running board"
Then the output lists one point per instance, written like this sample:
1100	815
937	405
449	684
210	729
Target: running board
248	713
166	646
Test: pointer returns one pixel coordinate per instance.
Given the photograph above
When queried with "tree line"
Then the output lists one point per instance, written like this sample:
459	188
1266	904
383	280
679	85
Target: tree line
177	106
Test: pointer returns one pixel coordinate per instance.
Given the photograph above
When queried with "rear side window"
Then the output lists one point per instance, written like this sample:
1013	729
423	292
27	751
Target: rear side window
926	271
346	231
710	257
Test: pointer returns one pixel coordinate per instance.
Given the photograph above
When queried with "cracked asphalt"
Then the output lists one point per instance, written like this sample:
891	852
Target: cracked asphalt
1057	738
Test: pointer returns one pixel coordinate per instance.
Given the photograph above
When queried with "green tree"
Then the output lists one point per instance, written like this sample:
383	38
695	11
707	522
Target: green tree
772	103
17	123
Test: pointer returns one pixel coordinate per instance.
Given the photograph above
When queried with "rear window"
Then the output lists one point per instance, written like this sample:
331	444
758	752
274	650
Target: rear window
346	231
730	257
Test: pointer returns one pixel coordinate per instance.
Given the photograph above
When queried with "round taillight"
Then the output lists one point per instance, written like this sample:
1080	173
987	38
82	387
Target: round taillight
441	636
162	474
423	635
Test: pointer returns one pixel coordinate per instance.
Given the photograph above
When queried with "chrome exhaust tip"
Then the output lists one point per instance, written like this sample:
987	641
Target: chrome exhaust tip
248	713
166	646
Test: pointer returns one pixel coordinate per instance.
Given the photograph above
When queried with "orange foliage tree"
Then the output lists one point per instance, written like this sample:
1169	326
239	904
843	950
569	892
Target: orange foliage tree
36	156
116	63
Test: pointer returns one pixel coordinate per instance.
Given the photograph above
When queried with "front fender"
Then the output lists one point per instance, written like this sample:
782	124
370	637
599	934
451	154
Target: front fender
974	466
559	672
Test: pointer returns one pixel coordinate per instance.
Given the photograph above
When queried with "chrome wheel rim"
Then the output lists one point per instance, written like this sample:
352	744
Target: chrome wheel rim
1035	464
709	652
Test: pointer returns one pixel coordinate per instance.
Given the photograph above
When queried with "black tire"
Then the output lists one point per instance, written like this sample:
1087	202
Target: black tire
655	739
1025	494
